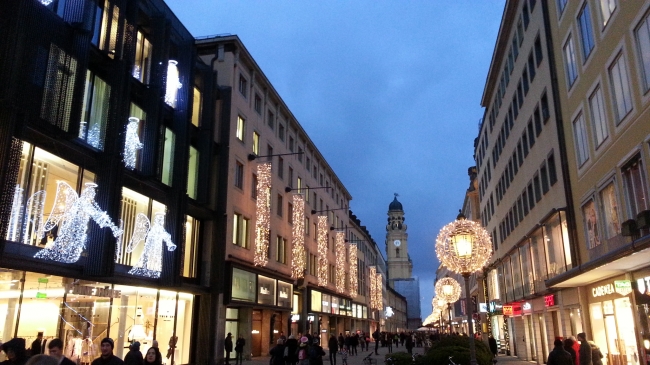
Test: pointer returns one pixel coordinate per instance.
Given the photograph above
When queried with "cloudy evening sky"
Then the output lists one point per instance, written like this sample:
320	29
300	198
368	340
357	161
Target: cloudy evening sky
389	91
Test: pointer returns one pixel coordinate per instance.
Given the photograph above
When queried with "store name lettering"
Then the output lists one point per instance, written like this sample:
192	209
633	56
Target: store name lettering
91	291
622	287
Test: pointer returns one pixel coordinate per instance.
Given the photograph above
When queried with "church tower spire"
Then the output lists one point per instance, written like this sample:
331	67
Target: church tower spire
398	260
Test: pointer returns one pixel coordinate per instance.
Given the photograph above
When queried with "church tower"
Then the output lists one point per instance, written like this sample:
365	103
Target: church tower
398	260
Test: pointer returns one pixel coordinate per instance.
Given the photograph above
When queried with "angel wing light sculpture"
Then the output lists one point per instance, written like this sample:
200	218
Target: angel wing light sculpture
150	262
72	213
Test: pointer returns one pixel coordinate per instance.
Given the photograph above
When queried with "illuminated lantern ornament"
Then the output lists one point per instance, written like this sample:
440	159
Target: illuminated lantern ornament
46	2
354	284
72	213
132	143
263	221
173	83
298	262
321	235
154	235
340	262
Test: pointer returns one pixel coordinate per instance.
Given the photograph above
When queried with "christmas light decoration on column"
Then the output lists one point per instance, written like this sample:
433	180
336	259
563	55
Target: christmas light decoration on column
263	214
173	83
154	235
33	221
354	284
15	219
380	291
72	214
373	288
321	235
298	256
340	261
132	143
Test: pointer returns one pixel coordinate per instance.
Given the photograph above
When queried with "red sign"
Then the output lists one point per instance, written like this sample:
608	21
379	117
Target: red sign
549	300
512	309
507	310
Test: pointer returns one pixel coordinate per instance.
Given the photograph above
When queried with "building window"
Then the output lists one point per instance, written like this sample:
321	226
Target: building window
609	207
281	131
538	191
580	137
642	33
598	117
280	167
291	144
586	31
254	186
270	120
190	251
552	173
193	173
290	177
196	107
570	65
166	170
280	205
239	175
94	116
635	187
256	143
290	213
240	231
258	104
620	88
607	8
105	27
243	86
281	250
539	56
544	173
590	217
142	64
531	67
546	113
241	128
300	153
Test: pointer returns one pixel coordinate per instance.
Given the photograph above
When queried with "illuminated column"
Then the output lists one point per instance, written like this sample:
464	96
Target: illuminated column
373	288
263	213
380	291
354	284
298	263
322	229
340	262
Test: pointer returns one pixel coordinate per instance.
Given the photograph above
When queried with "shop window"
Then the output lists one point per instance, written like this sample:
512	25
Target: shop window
60	80
133	148
327	299
94	115
590	218
285	291
558	251
316	301
609	207
266	290
256	143
635	187
507	277
167	162
240	231
142	64
35	306
193	173
244	284
281	250
197	100
190	250
517	274
134	204
106	26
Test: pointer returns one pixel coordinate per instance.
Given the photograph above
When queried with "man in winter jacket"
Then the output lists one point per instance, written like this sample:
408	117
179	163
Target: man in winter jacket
559	356
333	345
227	346
585	350
15	351
107	357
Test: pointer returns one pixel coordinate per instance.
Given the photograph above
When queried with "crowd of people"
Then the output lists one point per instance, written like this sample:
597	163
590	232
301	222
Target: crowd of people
17	354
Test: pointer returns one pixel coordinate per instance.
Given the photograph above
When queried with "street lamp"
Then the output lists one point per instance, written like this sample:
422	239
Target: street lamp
464	247
448	290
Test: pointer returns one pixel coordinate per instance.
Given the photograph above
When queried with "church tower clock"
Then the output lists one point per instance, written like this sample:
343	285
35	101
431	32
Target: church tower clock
398	260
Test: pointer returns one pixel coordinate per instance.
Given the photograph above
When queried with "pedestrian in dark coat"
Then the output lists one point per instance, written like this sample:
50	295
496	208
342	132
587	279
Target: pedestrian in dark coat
585	349
568	346
559	356
409	344
239	350
333	346
277	353
227	345
291	350
492	342
596	355
107	358
15	351
134	356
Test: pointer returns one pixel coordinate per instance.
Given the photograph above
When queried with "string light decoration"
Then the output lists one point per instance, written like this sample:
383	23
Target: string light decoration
448	290
173	83
373	288
340	261
154	235
379	300
298	261
321	235
463	246
263	214
354	283
132	143
72	214
15	221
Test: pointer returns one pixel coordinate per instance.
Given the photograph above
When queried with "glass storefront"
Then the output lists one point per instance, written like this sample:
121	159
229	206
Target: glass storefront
249	287
82	313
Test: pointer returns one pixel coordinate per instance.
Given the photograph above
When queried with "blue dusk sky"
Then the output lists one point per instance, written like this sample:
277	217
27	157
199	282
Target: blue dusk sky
389	91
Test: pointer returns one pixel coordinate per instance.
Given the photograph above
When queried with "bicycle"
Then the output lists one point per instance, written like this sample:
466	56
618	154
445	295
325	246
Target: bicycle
451	362
368	360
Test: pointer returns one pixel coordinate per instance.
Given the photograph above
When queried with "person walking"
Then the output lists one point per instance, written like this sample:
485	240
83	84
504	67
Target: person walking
576	348
291	350
568	346
408	342
107	358
303	351
227	345
15	351
585	349
389	342
134	356
277	353
375	336
333	346
559	356
492	342
38	346
55	348
316	353
239	350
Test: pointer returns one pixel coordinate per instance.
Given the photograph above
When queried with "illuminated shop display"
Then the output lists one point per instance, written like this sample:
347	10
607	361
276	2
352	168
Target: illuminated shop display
154	235
132	143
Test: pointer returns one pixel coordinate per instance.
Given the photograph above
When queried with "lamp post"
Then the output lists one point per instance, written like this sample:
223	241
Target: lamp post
464	247
448	290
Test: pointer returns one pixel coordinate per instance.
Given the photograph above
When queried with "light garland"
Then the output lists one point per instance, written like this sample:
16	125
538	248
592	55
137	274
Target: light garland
473	236
373	288
321	235
448	290
173	83
263	214
94	137
15	221
132	143
154	235
73	213
380	291
340	261
298	261
354	283
34	215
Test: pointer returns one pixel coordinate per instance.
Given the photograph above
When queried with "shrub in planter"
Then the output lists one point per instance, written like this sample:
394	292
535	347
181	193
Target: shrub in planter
399	358
458	348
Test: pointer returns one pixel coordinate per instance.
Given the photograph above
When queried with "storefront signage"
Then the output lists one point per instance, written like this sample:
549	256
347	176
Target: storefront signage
622	287
40	295
527	307
295	317
92	291
549	300
482	307
643	285
512	310
311	318
495	307
507	310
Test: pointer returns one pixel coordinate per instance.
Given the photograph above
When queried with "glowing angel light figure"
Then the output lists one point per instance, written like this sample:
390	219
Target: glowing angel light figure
71	213
150	262
132	143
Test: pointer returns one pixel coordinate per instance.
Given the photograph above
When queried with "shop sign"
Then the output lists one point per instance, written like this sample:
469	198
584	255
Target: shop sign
482	307
40	295
512	310
92	291
295	317
311	318
527	307
622	287
507	310
643	285
495	307
549	300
